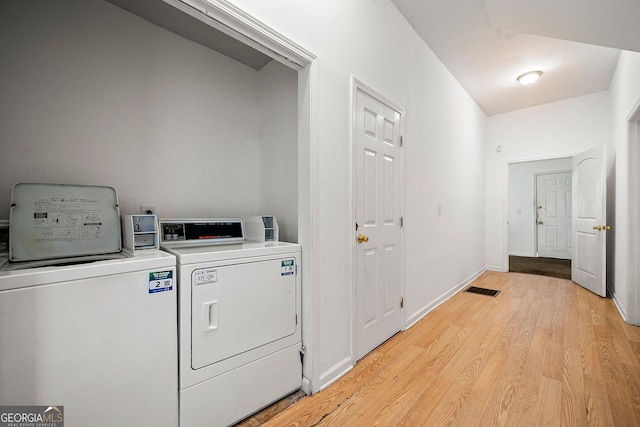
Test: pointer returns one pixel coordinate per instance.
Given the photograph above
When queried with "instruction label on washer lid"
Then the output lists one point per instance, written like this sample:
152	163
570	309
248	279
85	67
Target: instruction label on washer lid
160	281
287	267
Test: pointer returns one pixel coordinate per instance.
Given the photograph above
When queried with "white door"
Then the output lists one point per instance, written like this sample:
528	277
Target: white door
377	234
553	214
588	266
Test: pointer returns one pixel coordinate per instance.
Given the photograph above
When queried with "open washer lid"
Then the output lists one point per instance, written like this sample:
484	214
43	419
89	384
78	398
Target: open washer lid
50	221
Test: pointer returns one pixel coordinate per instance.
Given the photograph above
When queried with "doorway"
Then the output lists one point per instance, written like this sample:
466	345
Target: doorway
539	192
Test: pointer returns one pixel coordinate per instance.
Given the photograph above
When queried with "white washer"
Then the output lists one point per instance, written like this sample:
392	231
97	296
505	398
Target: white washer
99	339
239	329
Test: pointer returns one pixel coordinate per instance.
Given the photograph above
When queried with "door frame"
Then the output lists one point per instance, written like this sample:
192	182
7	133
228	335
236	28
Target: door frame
633	211
357	84
535	197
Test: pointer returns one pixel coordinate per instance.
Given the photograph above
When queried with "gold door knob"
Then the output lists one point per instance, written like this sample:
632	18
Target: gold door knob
362	238
606	227
597	227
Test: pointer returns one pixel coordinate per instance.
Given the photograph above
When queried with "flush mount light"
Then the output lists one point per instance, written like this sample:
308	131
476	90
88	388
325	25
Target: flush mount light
529	78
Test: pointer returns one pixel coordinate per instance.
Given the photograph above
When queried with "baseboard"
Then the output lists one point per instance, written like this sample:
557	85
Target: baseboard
306	385
496	268
617	304
335	373
412	320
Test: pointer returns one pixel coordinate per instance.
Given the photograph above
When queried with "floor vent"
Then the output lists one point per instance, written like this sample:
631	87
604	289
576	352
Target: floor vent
482	291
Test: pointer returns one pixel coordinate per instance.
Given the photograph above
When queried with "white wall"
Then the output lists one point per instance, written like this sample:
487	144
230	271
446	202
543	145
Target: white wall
521	213
625	95
444	161
94	95
559	129
279	147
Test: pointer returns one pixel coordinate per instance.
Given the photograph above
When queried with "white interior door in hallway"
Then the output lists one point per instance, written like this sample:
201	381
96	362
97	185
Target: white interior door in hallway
553	214
588	266
377	145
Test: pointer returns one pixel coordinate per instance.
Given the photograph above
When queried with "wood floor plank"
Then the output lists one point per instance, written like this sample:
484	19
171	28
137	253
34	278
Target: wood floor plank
311	409
553	361
544	352
453	391
550	398
597	411
365	409
573	393
632	332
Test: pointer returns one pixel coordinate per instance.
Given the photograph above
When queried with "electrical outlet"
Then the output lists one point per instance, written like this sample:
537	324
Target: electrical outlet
147	210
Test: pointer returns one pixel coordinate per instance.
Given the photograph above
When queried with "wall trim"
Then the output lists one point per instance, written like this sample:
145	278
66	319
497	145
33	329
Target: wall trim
415	318
632	268
335	372
617	303
238	24
499	268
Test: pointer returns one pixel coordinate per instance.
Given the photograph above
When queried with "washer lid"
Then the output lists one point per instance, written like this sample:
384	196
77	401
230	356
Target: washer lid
50	221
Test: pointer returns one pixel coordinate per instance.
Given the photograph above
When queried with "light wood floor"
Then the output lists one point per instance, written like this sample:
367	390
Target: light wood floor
544	352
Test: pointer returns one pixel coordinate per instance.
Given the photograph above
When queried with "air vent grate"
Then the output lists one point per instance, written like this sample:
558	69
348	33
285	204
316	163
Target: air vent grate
482	291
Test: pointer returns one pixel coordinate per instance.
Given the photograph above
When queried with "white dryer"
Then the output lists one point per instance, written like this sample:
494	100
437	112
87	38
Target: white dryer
239	311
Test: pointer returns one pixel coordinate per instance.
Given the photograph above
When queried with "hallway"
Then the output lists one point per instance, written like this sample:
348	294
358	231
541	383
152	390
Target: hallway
543	352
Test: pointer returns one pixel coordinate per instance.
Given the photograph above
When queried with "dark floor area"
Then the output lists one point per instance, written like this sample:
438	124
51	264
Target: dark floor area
543	266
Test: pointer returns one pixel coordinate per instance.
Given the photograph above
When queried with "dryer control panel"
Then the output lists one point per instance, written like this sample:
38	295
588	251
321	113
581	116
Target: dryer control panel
196	232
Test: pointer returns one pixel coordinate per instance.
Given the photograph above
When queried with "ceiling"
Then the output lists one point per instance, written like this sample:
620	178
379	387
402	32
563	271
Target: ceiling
486	44
173	19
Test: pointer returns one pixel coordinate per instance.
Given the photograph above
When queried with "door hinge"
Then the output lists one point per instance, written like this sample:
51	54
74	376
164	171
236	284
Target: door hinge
303	351
401	302
296	318
401	221
401	141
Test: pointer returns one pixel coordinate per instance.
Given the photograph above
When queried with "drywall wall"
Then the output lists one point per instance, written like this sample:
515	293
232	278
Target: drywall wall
94	95
521	213
444	162
559	129
625	98
279	147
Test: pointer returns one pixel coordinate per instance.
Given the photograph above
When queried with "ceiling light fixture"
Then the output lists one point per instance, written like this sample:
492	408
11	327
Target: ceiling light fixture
529	78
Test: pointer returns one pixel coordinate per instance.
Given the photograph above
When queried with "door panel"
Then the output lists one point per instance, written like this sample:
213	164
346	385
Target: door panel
389	190
553	216
378	259
390	281
588	266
